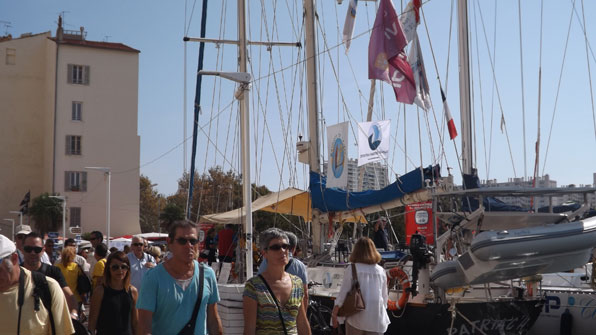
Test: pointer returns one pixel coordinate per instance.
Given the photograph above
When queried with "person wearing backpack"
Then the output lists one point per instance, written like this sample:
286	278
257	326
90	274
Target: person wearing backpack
33	247
30	303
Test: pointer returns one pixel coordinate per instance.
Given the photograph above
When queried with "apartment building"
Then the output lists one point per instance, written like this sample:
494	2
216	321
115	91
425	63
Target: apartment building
374	176
67	103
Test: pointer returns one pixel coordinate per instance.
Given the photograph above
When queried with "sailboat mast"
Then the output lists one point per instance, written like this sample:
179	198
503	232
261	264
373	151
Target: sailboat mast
465	105
245	136
313	111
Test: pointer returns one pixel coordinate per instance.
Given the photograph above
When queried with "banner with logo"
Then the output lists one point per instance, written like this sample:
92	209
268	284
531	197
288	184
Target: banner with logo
337	162
419	220
373	141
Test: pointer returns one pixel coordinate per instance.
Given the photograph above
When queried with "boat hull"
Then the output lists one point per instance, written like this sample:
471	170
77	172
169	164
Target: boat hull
497	317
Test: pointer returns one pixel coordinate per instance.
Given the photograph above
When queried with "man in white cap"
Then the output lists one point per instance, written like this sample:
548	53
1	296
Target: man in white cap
21	231
29	314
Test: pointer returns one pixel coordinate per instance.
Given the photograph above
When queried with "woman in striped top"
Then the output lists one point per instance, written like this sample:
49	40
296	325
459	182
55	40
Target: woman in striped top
274	302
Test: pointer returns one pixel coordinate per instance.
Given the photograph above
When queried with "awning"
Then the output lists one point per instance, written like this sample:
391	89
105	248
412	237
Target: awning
291	201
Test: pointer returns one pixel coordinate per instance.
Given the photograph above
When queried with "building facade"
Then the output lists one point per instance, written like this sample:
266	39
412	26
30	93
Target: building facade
67	104
374	177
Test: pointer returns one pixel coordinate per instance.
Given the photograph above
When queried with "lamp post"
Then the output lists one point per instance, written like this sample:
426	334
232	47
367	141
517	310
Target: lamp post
63	198
108	173
11	220
20	216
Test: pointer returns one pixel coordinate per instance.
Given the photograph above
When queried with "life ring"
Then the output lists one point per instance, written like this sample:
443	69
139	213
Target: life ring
399	274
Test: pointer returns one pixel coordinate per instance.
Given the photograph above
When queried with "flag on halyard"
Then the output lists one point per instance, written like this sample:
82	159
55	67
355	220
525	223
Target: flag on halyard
25	203
349	24
386	58
410	19
417	63
373	141
450	123
337	163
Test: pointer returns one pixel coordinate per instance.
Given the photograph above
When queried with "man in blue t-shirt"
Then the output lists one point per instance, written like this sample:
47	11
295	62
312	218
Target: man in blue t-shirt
170	290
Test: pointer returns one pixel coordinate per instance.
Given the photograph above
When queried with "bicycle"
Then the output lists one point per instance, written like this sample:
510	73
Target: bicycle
319	315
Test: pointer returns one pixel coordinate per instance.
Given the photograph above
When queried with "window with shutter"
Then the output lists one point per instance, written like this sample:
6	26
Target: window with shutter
75	216
77	111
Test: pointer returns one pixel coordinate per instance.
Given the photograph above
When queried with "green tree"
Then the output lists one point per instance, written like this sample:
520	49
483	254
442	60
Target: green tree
46	212
149	205
172	212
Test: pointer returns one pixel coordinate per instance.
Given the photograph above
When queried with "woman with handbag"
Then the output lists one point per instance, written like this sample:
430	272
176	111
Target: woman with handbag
372	283
274	301
113	303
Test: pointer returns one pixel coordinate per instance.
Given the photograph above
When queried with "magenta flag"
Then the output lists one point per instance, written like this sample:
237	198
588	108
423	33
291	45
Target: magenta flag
386	59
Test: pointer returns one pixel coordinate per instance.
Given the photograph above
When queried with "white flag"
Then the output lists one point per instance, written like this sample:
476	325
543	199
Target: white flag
422	98
349	24
337	162
410	19
373	141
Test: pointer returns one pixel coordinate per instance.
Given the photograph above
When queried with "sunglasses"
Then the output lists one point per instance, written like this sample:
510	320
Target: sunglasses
137	244
28	249
276	247
116	267
184	241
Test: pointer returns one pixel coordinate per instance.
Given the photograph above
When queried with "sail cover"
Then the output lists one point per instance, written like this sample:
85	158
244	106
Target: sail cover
291	201
336	200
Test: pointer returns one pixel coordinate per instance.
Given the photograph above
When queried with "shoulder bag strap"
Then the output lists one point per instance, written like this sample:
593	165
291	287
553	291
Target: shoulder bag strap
21	298
190	326
276	304
355	282
42	289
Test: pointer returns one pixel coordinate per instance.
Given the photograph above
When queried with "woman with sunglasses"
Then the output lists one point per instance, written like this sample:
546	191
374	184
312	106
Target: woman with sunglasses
113	304
274	301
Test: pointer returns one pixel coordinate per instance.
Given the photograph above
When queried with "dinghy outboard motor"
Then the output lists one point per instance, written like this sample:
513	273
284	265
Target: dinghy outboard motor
421	256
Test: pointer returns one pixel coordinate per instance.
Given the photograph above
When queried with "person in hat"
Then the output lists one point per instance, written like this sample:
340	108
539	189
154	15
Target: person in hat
32	317
22	231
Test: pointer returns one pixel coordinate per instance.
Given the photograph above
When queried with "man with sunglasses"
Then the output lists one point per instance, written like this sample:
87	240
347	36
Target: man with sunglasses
140	262
22	231
170	291
32	317
33	249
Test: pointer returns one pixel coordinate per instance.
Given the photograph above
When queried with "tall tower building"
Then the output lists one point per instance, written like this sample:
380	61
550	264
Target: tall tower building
66	104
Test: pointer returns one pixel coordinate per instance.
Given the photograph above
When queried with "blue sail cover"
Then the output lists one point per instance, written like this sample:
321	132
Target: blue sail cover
337	200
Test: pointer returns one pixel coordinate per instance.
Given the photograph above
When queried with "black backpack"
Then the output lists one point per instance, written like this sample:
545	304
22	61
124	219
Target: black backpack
41	291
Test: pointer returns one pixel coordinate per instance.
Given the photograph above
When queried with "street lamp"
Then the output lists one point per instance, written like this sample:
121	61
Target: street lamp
11	220
63	198
20	216
108	173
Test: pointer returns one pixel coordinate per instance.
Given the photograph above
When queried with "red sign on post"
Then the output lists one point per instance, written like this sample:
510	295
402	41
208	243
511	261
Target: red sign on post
419	218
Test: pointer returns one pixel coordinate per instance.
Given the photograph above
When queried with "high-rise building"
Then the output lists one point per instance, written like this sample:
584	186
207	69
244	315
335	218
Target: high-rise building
68	103
374	176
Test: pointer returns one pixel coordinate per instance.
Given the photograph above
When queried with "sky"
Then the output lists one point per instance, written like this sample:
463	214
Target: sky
278	97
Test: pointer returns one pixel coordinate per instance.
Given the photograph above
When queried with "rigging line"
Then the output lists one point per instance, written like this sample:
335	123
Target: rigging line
492	98
523	97
585	33
589	72
480	87
558	89
219	66
168	151
419	136
537	147
222	32
187	25
441	133
498	94
321	52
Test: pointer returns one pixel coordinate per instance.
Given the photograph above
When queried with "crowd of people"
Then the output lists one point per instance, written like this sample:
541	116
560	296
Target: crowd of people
145	290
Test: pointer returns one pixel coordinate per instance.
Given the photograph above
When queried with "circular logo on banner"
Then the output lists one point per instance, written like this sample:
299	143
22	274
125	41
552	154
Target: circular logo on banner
374	137
337	157
421	217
